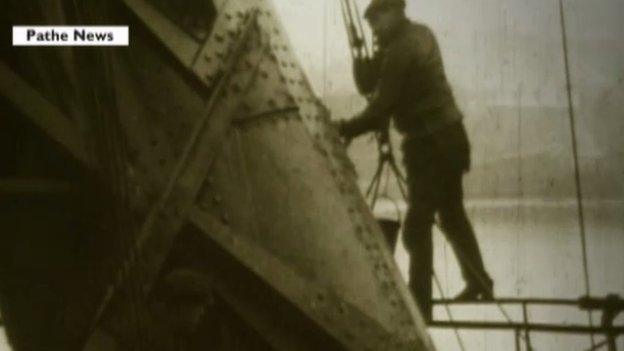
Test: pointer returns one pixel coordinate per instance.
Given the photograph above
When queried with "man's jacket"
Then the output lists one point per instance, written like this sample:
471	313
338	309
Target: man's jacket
412	87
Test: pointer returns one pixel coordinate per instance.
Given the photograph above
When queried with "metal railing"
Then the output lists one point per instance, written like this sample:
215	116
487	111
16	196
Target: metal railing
610	307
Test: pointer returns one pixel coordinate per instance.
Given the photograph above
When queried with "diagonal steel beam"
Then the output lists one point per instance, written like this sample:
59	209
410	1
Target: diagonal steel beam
318	303
180	44
43	114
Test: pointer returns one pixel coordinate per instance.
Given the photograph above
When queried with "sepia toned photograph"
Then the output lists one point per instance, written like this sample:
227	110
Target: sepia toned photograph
368	175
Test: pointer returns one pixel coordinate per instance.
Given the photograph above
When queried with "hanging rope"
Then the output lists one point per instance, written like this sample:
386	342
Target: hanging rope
447	308
387	158
361	51
577	172
387	164
355	30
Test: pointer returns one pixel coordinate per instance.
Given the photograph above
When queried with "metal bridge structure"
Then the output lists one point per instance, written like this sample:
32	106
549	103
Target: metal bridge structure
201	146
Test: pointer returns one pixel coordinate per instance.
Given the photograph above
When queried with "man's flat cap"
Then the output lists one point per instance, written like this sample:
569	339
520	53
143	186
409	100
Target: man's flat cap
382	5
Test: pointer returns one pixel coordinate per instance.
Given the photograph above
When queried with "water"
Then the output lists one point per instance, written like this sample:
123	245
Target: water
532	248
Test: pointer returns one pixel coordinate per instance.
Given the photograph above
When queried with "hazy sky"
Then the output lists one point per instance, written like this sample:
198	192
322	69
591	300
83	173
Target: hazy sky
489	45
496	52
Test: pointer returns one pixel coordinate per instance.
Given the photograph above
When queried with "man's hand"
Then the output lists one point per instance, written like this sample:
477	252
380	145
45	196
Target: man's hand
341	128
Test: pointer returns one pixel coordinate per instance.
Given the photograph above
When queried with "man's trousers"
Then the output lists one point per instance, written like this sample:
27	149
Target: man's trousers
435	167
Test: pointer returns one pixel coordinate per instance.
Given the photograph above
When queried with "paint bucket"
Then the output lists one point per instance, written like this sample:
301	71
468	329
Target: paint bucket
390	229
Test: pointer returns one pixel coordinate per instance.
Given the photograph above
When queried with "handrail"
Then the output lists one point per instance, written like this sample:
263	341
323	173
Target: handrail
533	327
610	306
591	303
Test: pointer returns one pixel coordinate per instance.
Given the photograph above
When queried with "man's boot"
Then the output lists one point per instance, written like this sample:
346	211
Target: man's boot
482	291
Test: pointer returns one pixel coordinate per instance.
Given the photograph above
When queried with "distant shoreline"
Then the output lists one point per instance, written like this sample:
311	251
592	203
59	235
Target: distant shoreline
385	206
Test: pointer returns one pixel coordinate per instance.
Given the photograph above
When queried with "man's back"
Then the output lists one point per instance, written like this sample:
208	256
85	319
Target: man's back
425	102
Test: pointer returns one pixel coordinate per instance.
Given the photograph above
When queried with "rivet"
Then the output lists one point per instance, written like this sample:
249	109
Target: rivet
177	211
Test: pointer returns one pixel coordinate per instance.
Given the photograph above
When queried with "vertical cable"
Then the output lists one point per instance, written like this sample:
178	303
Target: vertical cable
350	37
577	173
447	308
325	50
520	190
367	51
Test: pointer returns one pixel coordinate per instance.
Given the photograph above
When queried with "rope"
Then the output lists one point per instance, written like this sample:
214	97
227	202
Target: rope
598	345
325	50
401	181
447	308
359	48
360	27
472	268
373	189
386	156
355	30
347	28
577	172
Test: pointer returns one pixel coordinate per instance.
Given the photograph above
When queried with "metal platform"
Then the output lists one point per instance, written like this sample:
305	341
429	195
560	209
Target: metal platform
609	307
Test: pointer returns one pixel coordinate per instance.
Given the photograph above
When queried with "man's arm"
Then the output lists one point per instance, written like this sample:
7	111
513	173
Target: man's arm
377	114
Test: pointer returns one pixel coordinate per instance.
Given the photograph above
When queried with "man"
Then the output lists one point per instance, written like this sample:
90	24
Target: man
413	88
